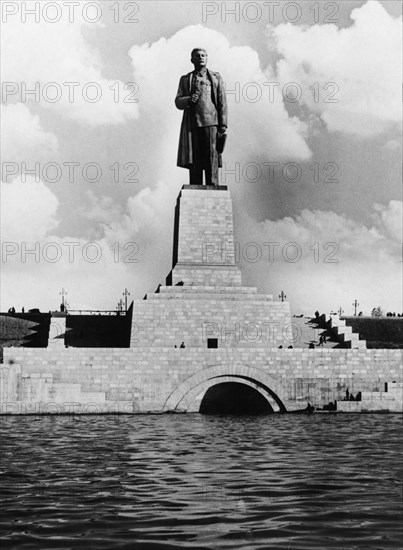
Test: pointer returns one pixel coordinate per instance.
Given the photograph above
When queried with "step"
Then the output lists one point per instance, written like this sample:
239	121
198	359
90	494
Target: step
207	289
356	344
339	323
229	296
341	329
343	333
360	344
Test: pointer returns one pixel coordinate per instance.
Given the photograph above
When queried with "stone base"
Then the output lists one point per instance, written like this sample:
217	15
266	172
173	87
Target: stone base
203	232
194	314
206	275
88	380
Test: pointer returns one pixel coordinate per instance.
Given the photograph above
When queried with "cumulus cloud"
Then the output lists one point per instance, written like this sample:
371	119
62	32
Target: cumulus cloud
93	272
363	62
322	259
100	211
124	250
28	210
23	137
48	55
389	219
144	225
148	224
36	262
147	211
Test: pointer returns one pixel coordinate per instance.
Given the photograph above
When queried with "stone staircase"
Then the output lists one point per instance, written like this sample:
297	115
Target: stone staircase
334	330
345	334
307	331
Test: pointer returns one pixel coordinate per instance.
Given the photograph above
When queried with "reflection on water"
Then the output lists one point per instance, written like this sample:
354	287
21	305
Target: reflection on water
193	481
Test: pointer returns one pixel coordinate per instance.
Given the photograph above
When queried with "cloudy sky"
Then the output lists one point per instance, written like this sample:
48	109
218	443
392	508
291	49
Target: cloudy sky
90	132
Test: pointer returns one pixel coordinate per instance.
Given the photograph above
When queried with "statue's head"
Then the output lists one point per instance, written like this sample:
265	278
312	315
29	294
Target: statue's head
199	58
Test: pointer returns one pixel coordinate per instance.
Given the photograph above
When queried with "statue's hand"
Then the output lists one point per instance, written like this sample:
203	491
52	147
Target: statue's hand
194	98
222	129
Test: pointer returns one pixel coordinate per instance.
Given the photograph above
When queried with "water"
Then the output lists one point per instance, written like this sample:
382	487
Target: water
193	481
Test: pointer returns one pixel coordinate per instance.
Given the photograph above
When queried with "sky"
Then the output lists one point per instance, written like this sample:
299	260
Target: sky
312	160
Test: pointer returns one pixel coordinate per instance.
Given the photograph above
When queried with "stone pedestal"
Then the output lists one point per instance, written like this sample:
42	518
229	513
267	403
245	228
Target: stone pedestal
204	303
204	249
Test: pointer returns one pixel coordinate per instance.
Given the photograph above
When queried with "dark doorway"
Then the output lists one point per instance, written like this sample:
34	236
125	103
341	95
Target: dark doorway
212	343
234	398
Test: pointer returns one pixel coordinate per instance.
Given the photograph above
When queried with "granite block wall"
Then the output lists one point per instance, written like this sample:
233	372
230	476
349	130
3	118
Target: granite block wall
35	380
204	248
205	234
235	320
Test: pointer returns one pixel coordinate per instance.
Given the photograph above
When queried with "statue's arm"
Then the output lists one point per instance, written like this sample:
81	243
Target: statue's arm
182	100
222	103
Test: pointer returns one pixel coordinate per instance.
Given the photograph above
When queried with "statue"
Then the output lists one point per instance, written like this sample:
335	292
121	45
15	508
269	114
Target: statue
201	96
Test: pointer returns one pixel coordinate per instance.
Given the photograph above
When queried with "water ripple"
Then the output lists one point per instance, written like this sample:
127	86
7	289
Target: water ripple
164	482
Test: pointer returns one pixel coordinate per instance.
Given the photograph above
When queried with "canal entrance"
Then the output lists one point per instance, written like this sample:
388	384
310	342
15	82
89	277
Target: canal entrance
234	398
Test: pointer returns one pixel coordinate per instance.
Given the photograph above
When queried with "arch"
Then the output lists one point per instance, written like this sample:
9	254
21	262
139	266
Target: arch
234	398
191	401
187	396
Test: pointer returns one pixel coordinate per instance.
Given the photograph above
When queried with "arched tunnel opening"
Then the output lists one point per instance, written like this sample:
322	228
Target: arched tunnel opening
234	398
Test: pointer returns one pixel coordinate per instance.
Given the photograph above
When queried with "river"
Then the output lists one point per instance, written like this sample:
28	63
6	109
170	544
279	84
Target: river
321	481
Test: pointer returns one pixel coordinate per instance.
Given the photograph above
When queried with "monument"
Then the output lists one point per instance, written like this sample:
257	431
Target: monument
203	330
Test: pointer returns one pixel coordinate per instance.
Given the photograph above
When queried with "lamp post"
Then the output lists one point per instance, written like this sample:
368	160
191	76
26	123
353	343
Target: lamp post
126	293
355	304
63	293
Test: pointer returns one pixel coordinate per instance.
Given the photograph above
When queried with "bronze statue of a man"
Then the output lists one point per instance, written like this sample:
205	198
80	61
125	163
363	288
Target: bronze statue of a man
201	95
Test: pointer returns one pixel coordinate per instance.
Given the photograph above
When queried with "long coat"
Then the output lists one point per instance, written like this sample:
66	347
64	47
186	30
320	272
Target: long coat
185	154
